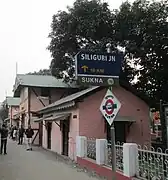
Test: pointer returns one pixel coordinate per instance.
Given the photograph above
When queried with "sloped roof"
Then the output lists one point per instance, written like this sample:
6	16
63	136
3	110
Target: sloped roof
40	81
77	95
69	98
12	101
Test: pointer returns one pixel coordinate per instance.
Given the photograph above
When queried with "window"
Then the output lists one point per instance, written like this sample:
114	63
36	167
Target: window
45	92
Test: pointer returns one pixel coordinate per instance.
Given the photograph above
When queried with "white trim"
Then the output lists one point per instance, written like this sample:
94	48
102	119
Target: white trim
101	76
76	68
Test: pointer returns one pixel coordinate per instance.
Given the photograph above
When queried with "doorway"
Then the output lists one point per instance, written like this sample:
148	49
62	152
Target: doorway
23	120
49	127
41	133
120	131
65	136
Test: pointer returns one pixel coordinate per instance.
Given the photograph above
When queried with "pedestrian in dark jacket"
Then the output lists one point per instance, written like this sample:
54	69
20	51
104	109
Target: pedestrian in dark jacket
29	134
21	134
4	136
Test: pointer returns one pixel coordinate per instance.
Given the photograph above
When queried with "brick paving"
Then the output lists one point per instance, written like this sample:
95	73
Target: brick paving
38	164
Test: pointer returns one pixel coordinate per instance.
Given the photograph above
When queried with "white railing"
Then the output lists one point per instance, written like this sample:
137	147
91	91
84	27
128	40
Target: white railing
119	156
91	148
153	164
91	153
132	160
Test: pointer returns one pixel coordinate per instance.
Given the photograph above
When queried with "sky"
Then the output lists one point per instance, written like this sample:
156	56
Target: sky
24	29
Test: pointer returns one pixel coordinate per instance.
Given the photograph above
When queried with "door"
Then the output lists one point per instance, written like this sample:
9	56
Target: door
49	126
23	120
120	133
65	137
41	133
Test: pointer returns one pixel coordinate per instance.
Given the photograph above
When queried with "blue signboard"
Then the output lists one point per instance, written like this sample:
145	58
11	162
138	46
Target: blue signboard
98	64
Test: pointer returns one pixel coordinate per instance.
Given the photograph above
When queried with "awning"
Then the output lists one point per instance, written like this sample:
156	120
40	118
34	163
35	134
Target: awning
38	119
58	117
124	119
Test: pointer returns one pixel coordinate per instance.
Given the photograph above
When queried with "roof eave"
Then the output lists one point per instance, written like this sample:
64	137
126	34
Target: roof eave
16	92
58	107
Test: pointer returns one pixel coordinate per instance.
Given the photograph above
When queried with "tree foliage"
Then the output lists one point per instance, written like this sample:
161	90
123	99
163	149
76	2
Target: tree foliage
87	25
41	72
3	112
143	25
141	28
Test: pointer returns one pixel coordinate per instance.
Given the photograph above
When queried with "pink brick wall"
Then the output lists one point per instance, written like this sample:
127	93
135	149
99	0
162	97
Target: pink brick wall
56	94
92	122
24	103
44	138
56	136
13	110
35	103
24	99
74	131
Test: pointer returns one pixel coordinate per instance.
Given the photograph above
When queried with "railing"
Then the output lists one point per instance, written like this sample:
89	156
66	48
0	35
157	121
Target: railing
153	164
119	156
91	153
91	148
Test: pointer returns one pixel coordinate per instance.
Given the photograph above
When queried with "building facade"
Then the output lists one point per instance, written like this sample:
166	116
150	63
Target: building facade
12	103
36	92
79	115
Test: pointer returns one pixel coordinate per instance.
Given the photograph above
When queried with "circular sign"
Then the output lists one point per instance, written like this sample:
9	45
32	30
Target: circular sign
110	81
109	106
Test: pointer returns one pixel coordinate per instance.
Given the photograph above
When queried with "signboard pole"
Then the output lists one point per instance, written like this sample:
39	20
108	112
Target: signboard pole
113	148
102	69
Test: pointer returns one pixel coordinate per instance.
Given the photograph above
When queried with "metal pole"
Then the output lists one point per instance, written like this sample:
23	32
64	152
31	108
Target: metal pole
113	149
113	152
163	126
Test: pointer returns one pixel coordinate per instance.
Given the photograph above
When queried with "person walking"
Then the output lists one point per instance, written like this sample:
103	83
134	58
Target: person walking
4	136
21	134
29	134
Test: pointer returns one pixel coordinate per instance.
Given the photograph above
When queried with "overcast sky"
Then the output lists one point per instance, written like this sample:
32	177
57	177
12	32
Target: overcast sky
24	27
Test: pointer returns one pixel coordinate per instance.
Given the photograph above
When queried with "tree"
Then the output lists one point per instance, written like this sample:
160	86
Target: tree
88	25
41	72
143	26
3	112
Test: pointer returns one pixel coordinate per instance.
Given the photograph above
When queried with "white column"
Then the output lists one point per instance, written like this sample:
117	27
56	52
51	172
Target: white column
130	159
81	146
101	151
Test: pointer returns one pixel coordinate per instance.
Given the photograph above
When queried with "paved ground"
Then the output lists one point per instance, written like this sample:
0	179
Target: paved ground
19	164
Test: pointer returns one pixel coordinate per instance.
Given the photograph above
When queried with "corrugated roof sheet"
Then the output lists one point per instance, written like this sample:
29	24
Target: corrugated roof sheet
41	81
69	98
12	101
